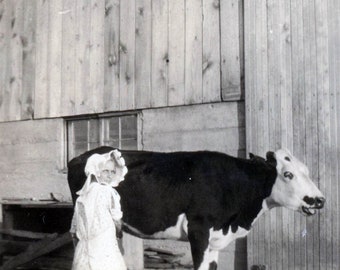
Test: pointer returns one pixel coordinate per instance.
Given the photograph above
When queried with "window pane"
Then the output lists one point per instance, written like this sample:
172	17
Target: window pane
84	135
80	131
129	144
79	148
111	131
129	127
93	132
114	144
114	129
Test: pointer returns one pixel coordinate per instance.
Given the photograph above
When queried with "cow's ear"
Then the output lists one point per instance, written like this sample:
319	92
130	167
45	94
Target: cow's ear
251	155
271	158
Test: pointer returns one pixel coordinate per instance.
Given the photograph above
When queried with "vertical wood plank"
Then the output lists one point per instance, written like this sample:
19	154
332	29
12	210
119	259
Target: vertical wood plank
97	56
41	63
334	40
332	219
54	58
16	62
5	26
176	52
335	7
133	252
127	54
230	49
111	64
211	51
193	52
143	53
82	58
28	40
249	23
68	58
160	54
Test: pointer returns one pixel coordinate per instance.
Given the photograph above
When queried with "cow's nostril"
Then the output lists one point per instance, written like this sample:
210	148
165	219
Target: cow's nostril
309	200
319	202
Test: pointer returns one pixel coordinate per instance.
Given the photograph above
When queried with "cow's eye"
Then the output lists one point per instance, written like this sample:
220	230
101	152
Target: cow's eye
288	175
287	158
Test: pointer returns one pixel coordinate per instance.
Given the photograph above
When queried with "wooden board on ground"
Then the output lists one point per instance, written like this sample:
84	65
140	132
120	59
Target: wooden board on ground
38	249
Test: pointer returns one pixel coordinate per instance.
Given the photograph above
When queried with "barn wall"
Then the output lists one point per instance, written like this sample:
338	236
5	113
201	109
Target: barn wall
214	127
292	53
32	160
71	57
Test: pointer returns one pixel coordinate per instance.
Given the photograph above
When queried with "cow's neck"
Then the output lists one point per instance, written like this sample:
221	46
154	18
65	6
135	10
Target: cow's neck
261	201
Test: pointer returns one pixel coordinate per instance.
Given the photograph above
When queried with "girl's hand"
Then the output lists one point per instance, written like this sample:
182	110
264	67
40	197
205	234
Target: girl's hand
121	169
75	239
119	231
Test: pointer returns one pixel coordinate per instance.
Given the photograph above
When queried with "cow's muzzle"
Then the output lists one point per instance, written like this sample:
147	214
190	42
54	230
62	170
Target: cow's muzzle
314	203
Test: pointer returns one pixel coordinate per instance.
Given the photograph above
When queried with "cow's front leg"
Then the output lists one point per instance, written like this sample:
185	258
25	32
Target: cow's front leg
203	257
199	243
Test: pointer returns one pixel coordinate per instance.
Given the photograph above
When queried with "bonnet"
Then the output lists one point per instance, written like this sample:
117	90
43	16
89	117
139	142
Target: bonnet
95	164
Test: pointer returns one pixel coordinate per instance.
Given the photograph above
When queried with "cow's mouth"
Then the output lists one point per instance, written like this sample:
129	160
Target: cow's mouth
308	211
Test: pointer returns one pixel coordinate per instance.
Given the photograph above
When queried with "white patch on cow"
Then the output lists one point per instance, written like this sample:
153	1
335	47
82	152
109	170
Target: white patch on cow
209	256
218	240
177	232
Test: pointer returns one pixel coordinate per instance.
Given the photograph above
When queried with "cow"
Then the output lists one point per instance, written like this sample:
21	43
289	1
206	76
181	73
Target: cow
206	198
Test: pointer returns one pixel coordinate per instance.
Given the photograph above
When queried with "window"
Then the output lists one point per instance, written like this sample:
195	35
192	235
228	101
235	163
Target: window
88	133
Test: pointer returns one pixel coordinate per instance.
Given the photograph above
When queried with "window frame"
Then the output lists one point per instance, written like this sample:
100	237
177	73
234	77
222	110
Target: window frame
69	138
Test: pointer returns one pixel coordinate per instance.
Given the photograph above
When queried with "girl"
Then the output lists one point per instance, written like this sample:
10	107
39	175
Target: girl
97	213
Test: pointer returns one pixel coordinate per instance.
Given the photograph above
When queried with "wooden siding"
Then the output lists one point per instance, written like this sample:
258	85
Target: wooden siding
220	128
17	53
63	58
292	64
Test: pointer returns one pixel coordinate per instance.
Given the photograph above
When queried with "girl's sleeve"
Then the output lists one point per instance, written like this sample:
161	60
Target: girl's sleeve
115	208
73	228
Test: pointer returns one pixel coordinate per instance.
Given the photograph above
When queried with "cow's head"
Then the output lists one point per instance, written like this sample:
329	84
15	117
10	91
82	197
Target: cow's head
293	187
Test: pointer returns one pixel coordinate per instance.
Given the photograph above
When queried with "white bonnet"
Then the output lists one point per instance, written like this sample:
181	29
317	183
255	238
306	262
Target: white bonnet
95	164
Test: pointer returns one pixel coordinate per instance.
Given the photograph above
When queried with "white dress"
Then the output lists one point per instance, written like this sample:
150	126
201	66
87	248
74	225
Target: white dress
93	222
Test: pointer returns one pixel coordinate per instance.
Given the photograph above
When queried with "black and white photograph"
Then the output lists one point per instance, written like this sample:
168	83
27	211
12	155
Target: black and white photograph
169	134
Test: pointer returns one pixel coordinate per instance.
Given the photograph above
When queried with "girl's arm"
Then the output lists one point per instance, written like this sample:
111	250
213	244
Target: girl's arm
117	214
73	229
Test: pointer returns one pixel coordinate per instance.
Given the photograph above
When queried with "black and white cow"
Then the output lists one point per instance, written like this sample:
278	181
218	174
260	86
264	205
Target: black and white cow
208	198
